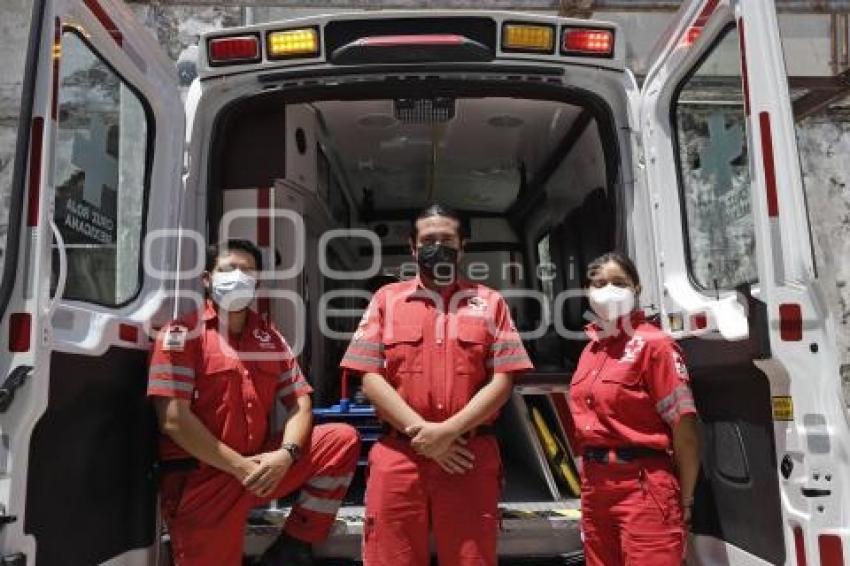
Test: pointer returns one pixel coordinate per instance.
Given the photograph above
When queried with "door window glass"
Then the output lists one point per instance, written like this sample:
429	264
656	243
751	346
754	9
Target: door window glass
709	120
100	176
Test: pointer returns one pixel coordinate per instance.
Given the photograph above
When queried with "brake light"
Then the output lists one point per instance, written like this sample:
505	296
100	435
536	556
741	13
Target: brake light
20	325
699	321
587	41
232	50
790	322
528	38
290	43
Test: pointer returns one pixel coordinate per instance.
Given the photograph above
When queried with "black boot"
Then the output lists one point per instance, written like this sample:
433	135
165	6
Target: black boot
288	551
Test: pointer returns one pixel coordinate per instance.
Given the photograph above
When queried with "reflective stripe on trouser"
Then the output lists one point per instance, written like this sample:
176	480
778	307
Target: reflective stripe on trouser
406	493
632	514
206	510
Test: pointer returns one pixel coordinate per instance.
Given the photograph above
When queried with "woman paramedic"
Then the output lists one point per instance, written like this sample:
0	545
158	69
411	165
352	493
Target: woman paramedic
636	428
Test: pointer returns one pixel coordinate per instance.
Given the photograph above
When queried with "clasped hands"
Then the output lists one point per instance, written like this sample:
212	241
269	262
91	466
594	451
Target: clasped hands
442	443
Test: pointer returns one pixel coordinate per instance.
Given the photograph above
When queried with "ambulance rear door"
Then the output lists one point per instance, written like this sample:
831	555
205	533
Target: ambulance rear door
95	189
719	179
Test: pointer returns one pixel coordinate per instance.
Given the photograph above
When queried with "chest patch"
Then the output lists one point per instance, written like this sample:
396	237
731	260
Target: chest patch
264	339
477	305
175	338
632	350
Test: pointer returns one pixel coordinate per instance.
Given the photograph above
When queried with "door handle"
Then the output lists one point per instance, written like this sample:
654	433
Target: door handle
62	277
7	391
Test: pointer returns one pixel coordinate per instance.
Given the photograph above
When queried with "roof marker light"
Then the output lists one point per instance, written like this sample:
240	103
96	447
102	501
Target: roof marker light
528	38
233	50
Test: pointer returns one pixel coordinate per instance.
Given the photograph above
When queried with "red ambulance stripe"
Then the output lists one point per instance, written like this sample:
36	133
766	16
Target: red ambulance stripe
769	166
57	53
36	141
107	22
706	12
800	546
263	226
745	79
831	553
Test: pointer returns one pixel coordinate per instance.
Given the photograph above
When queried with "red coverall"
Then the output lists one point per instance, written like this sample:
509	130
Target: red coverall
437	359
629	390
233	395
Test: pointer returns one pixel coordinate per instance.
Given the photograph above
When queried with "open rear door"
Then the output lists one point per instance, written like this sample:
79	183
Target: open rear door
98	176
740	291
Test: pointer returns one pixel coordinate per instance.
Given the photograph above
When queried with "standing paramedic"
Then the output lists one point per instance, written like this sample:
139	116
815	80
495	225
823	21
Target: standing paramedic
438	354
215	377
636	427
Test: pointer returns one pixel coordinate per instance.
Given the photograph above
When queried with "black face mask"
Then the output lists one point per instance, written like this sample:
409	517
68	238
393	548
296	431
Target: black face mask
437	261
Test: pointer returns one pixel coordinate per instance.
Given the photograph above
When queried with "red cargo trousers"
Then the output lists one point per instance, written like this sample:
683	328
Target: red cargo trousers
206	509
632	513
408	495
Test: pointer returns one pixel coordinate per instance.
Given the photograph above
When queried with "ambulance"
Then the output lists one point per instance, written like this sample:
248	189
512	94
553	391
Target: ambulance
318	138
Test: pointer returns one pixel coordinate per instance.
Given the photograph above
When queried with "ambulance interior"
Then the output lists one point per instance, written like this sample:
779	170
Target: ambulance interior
533	177
539	172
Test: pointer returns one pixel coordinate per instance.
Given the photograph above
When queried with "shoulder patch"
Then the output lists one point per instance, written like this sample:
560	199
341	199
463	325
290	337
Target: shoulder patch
679	364
633	349
174	339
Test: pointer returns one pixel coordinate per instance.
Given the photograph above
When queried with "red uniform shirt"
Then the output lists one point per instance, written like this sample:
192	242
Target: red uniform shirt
436	350
630	389
232	396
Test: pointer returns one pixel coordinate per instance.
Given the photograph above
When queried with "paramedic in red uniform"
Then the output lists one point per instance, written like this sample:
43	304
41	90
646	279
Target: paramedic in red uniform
215	377
636	427
438	355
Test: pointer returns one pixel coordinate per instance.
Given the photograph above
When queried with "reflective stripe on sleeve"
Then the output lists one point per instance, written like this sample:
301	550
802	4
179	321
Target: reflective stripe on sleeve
330	482
379	362
363	345
509	345
172	369
318	504
678	401
519	358
170	385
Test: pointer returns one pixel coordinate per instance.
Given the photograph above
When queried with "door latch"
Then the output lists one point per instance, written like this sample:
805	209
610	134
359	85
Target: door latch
7	391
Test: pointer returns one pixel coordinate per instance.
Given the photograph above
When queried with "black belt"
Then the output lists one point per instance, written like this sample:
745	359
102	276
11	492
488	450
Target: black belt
483	430
177	465
601	454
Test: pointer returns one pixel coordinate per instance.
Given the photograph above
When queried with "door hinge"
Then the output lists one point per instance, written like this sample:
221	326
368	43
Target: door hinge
7	391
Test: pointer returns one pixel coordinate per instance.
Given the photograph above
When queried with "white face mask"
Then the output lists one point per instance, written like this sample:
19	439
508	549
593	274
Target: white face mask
611	302
232	290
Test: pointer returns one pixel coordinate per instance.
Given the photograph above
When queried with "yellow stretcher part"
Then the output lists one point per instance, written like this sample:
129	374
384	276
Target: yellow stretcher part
556	453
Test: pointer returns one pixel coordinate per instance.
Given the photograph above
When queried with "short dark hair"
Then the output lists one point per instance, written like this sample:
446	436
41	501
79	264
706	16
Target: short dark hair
439	209
215	251
621	259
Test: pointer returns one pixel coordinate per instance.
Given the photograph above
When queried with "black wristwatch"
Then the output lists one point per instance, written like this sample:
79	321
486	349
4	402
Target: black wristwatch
293	449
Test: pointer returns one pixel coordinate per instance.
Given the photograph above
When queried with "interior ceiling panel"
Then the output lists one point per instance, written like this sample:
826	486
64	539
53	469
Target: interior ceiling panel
472	161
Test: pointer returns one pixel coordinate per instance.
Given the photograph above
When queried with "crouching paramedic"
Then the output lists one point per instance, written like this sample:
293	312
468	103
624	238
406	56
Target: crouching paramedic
438	355
215	377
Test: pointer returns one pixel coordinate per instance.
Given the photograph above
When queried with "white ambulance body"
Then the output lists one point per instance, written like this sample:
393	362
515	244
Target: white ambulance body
297	132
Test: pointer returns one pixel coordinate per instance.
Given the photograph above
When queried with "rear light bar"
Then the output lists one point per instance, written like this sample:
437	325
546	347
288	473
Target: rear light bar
401	40
528	38
293	43
592	42
233	50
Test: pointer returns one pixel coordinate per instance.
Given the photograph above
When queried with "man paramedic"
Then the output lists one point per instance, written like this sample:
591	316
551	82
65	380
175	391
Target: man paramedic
438	354
214	378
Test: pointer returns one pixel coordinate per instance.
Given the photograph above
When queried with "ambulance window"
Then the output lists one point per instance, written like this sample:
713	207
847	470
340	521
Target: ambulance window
714	175
100	175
